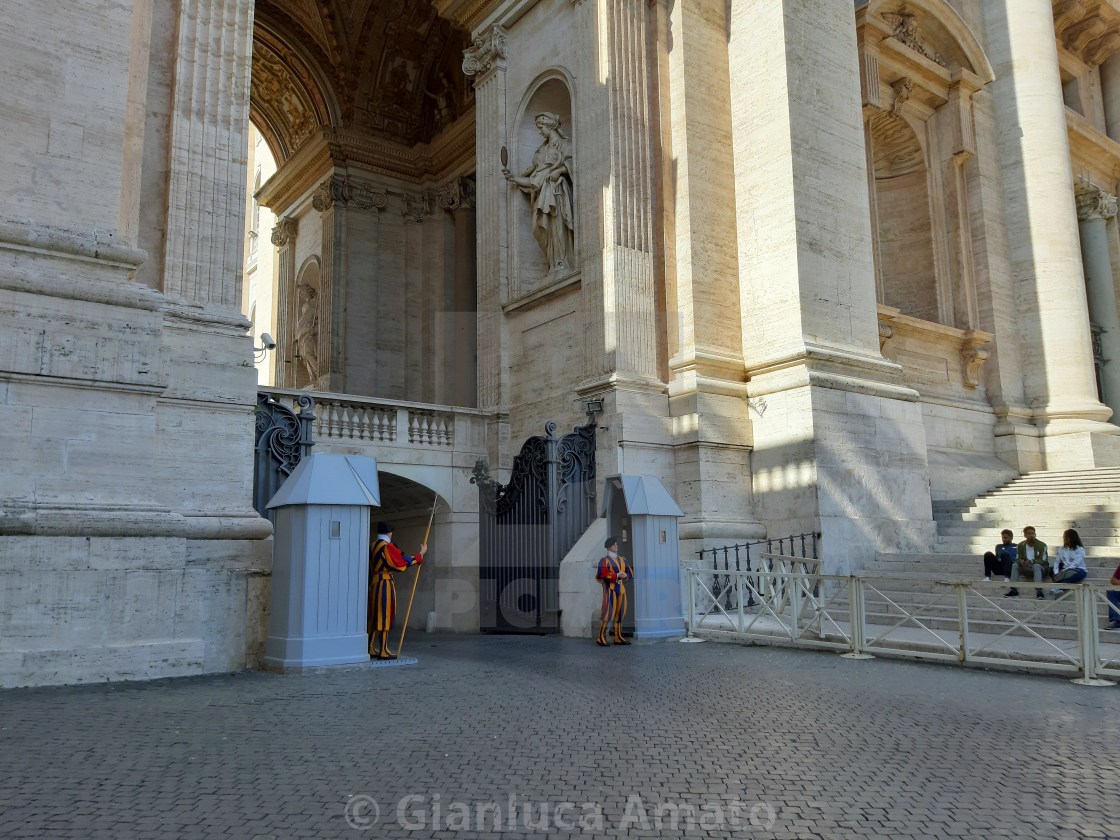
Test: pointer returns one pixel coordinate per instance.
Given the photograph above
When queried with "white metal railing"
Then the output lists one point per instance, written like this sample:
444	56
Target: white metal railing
951	621
343	417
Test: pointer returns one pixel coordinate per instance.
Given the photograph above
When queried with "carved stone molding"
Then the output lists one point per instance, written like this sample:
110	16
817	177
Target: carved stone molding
366	197
487	52
338	189
329	194
907	31
458	193
416	208
284	231
973	356
1094	203
903	88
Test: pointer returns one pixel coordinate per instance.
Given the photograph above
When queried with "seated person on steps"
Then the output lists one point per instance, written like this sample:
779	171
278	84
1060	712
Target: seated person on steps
1003	558
1030	558
1069	566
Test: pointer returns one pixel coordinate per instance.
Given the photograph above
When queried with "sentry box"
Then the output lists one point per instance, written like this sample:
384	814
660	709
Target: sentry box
320	565
642	514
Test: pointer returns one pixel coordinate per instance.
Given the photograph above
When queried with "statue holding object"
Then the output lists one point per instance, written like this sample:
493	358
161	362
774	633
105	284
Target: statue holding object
548	182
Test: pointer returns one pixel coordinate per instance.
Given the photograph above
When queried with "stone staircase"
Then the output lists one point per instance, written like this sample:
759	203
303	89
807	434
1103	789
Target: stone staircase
1086	500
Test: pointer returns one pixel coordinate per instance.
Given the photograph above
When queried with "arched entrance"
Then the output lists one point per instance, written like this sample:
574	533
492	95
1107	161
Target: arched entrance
370	120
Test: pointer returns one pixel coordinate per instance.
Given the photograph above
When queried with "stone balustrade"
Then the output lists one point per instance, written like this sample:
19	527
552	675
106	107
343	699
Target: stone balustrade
347	419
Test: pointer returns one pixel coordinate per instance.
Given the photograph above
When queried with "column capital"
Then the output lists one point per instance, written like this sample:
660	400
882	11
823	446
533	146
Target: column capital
333	191
458	193
1094	203
284	231
487	52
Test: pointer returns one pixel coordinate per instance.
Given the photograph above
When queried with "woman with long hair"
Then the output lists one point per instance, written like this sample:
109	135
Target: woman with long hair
1070	565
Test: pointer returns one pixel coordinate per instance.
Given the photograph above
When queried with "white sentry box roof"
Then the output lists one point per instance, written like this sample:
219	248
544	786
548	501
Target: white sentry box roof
644	494
331	480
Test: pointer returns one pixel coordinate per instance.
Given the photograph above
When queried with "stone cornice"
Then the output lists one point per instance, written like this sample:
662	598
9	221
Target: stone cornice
452	150
1088	29
1091	149
466	14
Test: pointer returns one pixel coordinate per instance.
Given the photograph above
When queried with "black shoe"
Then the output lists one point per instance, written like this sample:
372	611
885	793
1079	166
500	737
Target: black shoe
600	643
623	642
1038	594
1013	593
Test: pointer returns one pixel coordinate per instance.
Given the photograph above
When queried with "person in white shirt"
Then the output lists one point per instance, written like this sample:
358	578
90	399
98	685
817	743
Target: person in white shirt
1070	564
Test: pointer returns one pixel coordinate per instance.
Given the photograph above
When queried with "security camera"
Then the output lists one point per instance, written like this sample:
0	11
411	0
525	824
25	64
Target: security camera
268	342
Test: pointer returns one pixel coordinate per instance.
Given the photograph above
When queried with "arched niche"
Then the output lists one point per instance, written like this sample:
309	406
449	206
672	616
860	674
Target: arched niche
907	277
920	69
551	93
305	325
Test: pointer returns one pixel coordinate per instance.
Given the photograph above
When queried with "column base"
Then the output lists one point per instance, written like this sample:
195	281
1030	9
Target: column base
846	456
1081	445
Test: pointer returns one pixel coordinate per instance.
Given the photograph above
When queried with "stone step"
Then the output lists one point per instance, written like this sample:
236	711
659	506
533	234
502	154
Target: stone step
991	533
969	565
1041	519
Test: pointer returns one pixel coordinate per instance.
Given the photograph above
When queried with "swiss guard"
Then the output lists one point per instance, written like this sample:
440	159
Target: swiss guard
613	570
385	560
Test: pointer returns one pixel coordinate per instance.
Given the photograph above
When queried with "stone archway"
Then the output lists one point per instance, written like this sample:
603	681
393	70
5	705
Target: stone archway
371	120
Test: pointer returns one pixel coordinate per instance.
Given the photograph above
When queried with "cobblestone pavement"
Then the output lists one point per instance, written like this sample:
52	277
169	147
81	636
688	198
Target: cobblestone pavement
728	741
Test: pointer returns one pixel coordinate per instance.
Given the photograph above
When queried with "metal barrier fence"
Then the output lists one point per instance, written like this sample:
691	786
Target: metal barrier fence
954	621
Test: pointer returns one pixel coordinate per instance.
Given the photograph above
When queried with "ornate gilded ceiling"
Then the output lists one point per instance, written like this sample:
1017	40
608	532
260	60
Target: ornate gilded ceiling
389	67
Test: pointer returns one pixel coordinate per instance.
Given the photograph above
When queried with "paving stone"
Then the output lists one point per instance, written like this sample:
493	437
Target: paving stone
822	746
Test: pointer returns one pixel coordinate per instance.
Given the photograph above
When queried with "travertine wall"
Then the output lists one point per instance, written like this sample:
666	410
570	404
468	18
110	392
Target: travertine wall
126	534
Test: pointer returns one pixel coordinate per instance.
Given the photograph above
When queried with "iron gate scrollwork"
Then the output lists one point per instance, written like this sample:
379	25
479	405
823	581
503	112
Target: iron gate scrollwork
528	525
282	439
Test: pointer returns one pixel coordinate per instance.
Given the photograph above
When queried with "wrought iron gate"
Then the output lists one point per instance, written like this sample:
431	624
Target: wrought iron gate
282	439
528	525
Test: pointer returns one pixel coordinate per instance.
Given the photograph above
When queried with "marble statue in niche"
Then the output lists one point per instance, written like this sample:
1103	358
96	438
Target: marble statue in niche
307	330
548	183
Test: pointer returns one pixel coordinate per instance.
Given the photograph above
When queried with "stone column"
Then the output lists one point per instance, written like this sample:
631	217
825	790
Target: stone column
712	440
1110	87
1094	208
1043	240
485	61
837	445
284	238
330	200
458	198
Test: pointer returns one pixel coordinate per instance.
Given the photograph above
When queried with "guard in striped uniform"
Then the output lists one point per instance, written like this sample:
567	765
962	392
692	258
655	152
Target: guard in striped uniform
613	570
385	560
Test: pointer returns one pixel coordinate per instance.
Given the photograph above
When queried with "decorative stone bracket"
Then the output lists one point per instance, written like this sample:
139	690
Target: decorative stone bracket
973	356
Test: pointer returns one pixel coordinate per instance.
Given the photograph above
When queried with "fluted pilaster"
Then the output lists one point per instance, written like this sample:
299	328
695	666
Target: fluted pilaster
209	127
485	60
629	329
